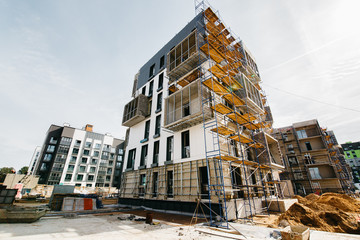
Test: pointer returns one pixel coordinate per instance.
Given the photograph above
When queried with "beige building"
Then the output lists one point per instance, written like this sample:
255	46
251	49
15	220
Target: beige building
313	159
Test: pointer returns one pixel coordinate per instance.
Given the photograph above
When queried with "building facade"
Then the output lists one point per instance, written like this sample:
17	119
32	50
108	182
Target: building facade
34	163
199	126
352	157
313	159
79	157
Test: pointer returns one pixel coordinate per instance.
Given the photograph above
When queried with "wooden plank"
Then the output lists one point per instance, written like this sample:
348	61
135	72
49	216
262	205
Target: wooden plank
235	100
247	162
222	130
227	158
172	88
210	15
243	139
221	108
215	86
256	145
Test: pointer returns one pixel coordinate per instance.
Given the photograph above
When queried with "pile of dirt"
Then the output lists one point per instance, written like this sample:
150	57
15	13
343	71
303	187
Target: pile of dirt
330	212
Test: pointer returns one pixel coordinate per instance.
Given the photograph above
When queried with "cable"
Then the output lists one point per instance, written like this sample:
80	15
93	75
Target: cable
312	99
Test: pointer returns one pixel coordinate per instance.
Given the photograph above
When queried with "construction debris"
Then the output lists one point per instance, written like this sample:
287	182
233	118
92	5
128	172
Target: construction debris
330	212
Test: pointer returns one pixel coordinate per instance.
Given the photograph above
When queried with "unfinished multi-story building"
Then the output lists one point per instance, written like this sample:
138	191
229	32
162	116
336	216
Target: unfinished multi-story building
199	127
313	159
80	157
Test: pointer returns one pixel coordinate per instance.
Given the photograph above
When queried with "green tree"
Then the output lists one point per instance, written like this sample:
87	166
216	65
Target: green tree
4	171
23	170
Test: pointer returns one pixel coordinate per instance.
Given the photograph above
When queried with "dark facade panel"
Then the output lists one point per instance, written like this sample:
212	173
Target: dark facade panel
145	70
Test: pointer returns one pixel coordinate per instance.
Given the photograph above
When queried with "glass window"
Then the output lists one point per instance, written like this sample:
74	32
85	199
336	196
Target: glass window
169	148
161	81
96	153
155	184
159	102
131	158
91	178
65	141
82	169
68	177
314	173
86	152
156	152
88	144
47	157
170	184
80	177
94	161
71	168
157	125
50	148
92	169
152	70
75	151
185	144
301	134
84	160
144	154
151	86
97	145
162	62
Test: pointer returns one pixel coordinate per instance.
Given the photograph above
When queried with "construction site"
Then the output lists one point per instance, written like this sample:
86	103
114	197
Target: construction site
202	159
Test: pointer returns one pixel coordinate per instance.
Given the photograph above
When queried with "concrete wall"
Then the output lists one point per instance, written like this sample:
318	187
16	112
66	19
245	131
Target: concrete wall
29	181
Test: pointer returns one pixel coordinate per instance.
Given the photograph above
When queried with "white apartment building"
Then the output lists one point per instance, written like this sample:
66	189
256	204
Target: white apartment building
80	157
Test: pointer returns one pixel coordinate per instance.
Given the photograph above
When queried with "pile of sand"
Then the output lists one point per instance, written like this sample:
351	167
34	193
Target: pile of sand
330	212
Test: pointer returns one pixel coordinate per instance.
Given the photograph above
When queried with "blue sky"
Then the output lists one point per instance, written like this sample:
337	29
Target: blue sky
74	61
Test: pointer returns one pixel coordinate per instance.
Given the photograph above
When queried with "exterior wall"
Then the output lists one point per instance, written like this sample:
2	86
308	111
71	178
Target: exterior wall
29	181
34	163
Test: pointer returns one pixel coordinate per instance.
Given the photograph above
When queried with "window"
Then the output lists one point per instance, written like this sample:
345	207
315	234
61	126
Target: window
63	149
88	144
157	126
301	134
111	163
185	144
159	103
75	151
156	152
96	153
77	143
290	147
94	161
89	185
169	186
143	91
146	132
203	182
151	88
73	159
155	184
68	177
86	152
84	160
131	159
142	184
53	140
144	154
150	106
47	157
152	70
97	145
109	171
65	141
92	169
162	62
71	168
108	178
169	148
50	148
91	178
80	177
314	173
105	155
308	146
293	161
161	81
82	169
298	175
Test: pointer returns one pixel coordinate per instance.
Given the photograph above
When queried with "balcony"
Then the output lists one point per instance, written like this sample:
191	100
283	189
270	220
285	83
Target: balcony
184	57
136	111
272	155
183	109
250	95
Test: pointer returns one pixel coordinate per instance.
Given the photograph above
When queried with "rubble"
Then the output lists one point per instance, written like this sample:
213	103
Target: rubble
330	212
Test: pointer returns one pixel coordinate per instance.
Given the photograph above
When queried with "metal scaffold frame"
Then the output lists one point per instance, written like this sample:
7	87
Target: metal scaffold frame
223	74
